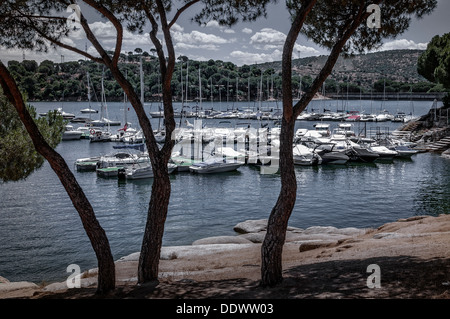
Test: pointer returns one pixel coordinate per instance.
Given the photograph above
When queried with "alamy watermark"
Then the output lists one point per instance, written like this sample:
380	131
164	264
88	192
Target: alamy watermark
374	280
73	20
374	20
74	280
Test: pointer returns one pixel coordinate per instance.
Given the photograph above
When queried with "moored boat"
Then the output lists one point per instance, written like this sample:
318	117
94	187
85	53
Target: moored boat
142	171
214	165
87	164
304	156
71	134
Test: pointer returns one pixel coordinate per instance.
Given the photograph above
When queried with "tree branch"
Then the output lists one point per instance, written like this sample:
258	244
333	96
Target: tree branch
153	36
180	11
348	31
289	43
117	25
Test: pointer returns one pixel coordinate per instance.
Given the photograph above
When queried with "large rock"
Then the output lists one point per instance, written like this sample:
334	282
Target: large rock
6	286
251	226
315	244
256	238
222	240
349	231
191	251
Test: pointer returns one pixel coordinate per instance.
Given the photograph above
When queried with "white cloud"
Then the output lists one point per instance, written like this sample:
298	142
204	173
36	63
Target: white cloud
302	51
251	58
177	28
216	25
213	24
247	31
267	39
403	44
196	40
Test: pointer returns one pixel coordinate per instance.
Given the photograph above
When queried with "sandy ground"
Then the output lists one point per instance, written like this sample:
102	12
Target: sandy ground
413	256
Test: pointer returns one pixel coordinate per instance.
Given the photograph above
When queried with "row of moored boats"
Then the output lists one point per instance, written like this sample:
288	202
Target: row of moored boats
214	150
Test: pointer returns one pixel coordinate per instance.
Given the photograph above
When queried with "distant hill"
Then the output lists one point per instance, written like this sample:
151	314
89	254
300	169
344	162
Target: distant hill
364	69
389	71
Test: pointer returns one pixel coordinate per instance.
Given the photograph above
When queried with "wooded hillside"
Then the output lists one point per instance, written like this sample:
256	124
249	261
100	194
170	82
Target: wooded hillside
395	71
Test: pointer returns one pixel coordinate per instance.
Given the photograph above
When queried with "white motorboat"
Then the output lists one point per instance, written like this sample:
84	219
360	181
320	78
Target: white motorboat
229	153
142	170
214	165
98	135
65	115
88	110
105	122
305	156
71	134
121	159
383	152
403	151
323	129
133	137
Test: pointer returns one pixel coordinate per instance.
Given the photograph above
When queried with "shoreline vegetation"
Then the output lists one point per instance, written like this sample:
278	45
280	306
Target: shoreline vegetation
389	74
413	256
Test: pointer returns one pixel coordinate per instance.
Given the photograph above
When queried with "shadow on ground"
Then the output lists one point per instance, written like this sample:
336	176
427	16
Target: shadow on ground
401	277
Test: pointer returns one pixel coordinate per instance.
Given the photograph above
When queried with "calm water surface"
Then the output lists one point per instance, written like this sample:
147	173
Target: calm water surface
41	233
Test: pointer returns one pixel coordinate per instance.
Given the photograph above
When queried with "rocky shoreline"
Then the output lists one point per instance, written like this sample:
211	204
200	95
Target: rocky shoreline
230	257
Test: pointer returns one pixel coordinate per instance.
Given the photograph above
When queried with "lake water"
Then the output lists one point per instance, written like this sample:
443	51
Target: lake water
41	234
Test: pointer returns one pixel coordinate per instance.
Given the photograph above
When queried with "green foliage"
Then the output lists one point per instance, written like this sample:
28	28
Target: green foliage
51	80
434	63
18	157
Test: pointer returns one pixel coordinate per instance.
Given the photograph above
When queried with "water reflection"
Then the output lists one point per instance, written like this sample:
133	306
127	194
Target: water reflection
433	196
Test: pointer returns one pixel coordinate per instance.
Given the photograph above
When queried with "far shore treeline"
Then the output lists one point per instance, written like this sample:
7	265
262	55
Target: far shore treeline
387	71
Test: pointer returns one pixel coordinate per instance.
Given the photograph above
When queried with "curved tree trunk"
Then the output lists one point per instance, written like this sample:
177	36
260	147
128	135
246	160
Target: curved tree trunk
96	234
272	247
154	229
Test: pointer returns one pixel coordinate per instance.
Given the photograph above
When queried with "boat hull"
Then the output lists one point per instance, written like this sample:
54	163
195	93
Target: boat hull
334	158
108	171
71	136
208	169
361	155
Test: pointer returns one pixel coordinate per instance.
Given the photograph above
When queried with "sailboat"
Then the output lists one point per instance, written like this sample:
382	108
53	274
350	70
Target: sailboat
65	115
89	109
98	134
104	121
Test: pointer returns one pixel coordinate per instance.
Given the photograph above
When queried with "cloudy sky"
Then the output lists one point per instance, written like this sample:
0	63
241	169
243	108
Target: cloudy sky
244	43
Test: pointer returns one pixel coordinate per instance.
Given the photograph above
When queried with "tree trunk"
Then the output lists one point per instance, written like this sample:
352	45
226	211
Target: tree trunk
272	247
96	234
148	267
154	229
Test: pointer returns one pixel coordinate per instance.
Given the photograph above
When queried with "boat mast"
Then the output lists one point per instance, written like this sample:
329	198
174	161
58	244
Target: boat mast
89	94
200	89
212	95
182	93
125	115
142	81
